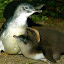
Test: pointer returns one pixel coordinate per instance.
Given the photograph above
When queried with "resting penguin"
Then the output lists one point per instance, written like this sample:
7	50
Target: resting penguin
16	25
30	47
50	46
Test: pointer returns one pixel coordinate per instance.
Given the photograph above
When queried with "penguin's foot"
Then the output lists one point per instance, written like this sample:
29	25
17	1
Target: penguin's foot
4	53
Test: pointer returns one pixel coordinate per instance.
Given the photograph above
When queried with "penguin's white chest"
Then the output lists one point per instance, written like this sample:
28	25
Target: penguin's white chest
13	31
9	42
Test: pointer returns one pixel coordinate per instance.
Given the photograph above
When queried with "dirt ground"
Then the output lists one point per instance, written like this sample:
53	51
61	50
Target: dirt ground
20	59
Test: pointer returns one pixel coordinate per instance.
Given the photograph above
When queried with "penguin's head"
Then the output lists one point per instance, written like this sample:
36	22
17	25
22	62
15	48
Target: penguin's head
26	39
25	9
25	42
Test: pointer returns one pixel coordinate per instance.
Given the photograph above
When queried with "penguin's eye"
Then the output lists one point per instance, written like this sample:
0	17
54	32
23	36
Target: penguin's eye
25	8
25	40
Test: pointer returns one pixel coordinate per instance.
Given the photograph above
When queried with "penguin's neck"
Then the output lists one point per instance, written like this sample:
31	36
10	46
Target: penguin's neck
21	20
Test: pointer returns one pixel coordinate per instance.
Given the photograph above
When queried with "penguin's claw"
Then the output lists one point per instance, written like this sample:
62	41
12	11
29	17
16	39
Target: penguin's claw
2	53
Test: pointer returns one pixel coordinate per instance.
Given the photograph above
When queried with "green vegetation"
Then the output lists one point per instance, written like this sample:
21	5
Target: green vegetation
40	18
3	3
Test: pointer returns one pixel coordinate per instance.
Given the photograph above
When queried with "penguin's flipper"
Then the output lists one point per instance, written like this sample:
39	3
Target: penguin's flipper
1	46
49	55
4	26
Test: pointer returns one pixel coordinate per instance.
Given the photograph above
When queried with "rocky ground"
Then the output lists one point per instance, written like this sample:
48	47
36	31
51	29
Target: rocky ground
20	59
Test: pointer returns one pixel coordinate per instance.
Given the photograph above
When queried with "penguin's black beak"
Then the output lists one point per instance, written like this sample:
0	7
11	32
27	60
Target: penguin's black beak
39	11
34	11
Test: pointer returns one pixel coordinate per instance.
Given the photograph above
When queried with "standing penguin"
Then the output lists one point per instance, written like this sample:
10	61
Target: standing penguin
16	25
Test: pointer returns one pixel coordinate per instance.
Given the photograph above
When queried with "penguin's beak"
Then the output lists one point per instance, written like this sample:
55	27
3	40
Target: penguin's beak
34	11
38	8
39	11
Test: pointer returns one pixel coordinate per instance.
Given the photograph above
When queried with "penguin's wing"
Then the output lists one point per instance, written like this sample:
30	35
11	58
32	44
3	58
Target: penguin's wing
4	26
49	54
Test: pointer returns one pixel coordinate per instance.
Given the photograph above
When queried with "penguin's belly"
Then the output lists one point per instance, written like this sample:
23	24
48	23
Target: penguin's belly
9	42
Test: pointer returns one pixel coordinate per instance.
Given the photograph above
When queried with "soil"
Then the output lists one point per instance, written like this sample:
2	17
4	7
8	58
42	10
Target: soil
20	59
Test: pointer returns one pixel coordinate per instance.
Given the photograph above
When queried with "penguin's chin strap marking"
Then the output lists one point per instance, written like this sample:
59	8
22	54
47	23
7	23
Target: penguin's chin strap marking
36	32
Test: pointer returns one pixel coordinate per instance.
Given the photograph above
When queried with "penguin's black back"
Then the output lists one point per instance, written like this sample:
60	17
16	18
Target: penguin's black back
4	26
52	42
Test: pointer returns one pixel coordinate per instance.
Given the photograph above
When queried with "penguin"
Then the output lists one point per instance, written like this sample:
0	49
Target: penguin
16	25
51	44
7	14
30	47
12	6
